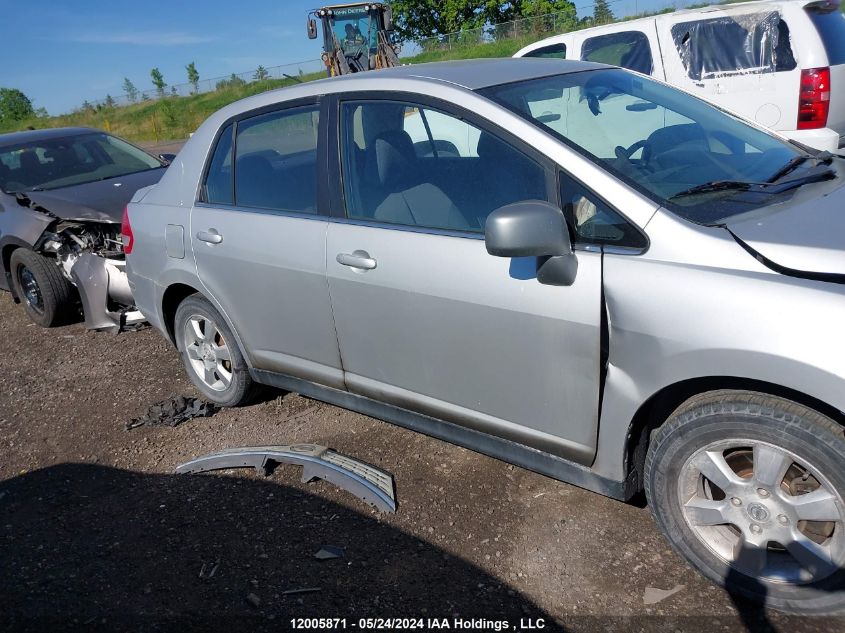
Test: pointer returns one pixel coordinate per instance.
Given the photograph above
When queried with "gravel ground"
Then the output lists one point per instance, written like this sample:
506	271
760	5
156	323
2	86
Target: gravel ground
97	533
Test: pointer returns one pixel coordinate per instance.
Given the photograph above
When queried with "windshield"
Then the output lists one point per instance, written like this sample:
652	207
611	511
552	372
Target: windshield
658	139
53	163
354	30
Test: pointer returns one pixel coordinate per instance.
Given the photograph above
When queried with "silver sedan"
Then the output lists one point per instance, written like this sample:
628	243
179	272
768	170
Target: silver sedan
571	267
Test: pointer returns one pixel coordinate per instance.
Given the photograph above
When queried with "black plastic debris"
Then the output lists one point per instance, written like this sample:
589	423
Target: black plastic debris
328	552
173	412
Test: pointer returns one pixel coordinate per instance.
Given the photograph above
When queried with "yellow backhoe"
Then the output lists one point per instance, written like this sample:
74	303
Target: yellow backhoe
356	37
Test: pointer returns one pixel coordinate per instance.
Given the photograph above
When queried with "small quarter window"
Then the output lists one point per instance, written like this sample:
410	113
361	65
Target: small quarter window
218	181
592	221
628	49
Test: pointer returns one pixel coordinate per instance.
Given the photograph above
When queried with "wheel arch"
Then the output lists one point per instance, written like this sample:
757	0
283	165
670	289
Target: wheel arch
659	407
175	294
10	245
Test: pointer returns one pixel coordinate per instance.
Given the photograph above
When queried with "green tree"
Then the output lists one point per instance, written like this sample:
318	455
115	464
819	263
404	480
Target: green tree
130	90
602	14
14	105
158	81
41	113
424	18
109	102
261	74
193	76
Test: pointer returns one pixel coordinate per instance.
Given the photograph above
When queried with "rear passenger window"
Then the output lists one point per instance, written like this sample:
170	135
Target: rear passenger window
218	180
757	42
276	161
556	51
415	166
628	49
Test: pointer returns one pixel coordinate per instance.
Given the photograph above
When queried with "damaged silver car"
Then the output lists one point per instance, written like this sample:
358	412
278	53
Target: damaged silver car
571	267
62	195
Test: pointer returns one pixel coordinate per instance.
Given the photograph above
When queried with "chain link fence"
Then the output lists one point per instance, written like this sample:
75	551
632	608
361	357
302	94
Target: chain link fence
522	31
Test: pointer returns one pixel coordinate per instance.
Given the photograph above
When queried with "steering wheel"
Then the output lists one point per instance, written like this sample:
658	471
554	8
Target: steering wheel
626	153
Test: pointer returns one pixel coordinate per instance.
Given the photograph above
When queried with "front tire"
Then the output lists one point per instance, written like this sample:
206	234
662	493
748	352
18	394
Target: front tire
48	298
210	354
750	489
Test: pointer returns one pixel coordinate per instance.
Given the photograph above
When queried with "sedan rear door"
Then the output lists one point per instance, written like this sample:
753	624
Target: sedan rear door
259	239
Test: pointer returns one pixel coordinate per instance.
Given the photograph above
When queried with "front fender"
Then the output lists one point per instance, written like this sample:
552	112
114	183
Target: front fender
671	322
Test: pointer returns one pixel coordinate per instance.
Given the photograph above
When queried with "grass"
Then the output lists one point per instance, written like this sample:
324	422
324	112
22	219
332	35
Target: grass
165	119
175	118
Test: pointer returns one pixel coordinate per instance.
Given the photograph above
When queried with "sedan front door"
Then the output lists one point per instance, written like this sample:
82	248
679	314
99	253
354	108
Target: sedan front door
430	322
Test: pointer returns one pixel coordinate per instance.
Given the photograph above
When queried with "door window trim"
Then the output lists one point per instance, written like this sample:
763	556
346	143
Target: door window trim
335	157
323	201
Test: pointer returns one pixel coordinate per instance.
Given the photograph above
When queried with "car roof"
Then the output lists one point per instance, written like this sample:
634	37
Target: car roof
33	136
473	74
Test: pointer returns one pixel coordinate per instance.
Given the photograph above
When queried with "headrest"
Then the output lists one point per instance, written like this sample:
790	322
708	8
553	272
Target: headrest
391	159
254	167
488	145
61	155
29	161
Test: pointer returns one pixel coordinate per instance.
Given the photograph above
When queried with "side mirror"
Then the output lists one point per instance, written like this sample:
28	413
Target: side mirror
312	29
167	158
533	228
388	19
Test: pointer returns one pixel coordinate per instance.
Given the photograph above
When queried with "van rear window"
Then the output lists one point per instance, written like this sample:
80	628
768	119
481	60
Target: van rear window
831	28
752	43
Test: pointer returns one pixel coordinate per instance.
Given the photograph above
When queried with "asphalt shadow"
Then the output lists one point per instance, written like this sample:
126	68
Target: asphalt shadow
93	548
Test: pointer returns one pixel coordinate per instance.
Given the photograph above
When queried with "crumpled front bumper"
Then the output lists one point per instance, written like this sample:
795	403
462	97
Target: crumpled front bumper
103	284
370	484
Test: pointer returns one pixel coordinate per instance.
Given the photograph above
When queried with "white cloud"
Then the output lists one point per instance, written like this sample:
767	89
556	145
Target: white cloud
143	38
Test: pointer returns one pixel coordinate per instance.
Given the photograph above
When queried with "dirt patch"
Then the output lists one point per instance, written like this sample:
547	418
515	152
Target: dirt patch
95	529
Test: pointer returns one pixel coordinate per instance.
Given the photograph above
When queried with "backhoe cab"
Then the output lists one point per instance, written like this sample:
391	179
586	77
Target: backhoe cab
356	37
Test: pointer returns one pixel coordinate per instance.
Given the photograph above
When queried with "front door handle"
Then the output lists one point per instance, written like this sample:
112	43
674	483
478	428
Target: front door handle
211	236
357	259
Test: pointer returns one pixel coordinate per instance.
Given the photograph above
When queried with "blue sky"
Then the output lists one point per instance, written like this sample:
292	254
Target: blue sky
62	53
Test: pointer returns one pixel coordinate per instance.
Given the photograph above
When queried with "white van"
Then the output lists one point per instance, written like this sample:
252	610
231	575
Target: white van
781	64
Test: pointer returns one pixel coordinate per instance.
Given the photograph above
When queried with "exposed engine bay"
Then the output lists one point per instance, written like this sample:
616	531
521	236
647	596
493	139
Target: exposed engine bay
90	255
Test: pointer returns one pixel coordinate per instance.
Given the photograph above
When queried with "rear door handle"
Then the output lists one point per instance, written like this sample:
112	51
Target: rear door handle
211	236
357	259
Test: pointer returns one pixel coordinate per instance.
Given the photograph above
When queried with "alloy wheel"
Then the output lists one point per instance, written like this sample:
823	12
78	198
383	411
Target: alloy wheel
208	353
764	511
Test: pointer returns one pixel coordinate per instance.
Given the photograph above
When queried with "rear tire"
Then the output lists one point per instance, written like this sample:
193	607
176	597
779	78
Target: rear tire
729	477
210	354
47	296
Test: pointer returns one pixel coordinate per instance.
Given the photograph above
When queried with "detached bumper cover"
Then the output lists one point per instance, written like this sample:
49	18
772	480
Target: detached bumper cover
100	280
371	485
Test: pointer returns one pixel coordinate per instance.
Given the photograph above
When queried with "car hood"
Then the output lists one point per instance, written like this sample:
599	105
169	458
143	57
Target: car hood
806	238
101	201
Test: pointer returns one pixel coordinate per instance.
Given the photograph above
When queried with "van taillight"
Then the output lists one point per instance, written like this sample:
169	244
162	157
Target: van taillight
814	98
126	232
